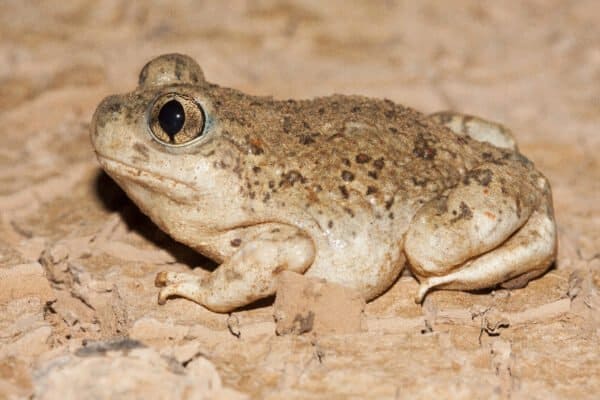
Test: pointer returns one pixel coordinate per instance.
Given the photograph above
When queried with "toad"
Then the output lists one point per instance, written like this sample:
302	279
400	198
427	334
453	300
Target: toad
349	189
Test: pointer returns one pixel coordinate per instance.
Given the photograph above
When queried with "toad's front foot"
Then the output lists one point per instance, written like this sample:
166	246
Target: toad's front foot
247	276
177	284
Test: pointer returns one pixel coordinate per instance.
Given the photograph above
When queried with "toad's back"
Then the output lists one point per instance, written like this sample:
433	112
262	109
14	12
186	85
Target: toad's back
344	152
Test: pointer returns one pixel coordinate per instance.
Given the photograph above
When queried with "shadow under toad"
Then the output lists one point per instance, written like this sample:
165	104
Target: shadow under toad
115	200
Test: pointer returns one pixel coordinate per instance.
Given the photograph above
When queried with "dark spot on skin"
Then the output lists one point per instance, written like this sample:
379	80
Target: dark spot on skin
389	203
143	75
518	204
338	135
462	139
232	275
372	174
279	269
422	123
238	169
346	162
452	153
443	117
393	130
441	205
287	124
221	164
421	182
114	107
371	190
344	191
379	163
362	158
271	184
266	197
491	216
481	176
289	178
349	211
426	153
518	157
423	148
347	176
304	324
252	195
321	110
306	139
236	242
276	230
330	224
465	122
256	170
142	149
255	149
355	109
179	68
464	212
391	215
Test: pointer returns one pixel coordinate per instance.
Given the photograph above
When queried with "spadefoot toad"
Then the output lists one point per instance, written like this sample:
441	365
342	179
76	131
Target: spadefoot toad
345	188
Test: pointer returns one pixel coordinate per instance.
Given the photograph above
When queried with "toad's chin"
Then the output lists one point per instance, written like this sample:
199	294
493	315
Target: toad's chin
126	175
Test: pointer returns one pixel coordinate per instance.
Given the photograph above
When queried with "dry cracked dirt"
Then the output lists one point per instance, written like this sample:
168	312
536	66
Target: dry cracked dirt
78	311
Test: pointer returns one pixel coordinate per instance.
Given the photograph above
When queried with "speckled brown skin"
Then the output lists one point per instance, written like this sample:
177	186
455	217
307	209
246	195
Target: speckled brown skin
342	187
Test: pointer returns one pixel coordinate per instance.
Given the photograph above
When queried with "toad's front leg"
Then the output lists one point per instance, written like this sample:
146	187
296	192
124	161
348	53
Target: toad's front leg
248	275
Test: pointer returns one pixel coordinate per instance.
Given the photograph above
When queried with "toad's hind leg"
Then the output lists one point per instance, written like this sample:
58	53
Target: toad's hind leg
477	128
496	227
248	275
523	257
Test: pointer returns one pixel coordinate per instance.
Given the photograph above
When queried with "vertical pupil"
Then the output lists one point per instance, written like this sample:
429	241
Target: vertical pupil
171	117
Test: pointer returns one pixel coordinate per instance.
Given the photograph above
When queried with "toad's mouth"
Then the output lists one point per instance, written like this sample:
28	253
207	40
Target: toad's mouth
124	173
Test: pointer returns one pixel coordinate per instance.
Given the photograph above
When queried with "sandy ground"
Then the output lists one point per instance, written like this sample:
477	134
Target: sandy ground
78	312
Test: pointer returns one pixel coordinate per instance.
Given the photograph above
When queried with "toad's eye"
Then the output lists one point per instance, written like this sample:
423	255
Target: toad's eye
175	119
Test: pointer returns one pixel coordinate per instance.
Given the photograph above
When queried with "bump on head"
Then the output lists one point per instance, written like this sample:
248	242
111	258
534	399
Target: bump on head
170	69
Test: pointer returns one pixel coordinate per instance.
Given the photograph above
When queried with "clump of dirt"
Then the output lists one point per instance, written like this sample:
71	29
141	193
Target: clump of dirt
310	305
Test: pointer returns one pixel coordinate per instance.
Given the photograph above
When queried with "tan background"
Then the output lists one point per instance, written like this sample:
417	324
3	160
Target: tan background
77	260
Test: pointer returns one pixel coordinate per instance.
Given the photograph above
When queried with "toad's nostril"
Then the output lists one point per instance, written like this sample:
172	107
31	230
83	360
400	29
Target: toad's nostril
105	112
171	117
